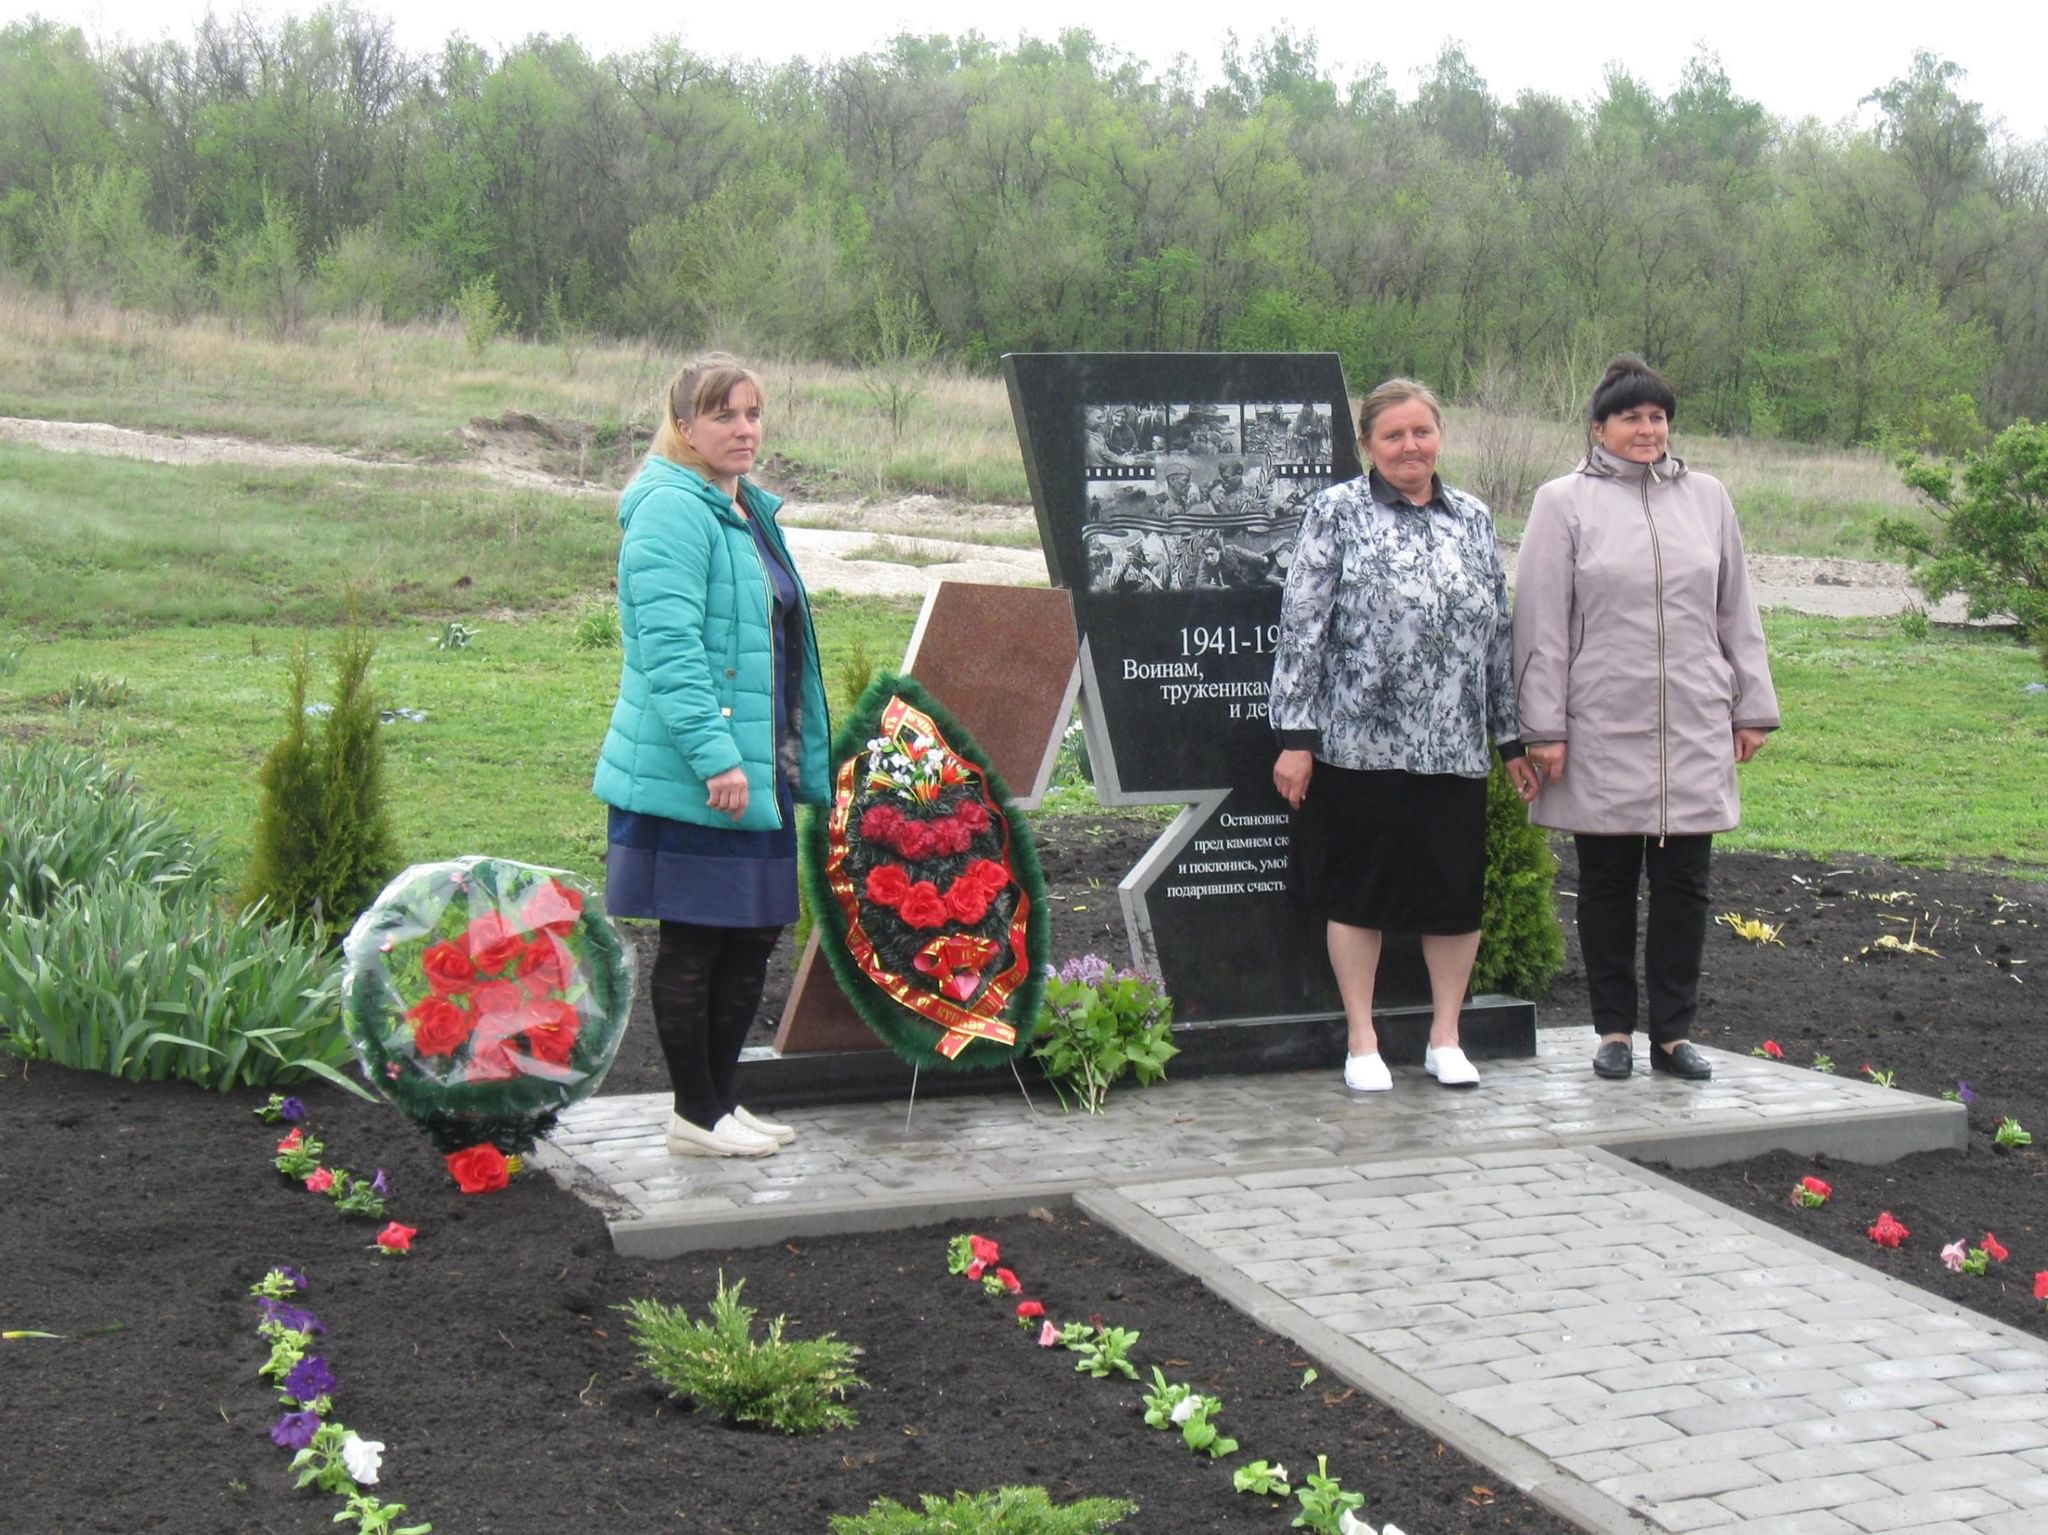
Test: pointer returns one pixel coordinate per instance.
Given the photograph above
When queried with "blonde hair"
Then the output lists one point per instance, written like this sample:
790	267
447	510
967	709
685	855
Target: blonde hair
705	383
1396	391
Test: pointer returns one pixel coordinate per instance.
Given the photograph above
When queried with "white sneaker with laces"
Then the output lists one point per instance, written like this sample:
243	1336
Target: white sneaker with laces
727	1138
775	1130
1367	1073
1449	1066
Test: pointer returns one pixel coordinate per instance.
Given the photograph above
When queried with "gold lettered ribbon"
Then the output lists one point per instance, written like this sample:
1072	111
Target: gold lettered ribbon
982	1018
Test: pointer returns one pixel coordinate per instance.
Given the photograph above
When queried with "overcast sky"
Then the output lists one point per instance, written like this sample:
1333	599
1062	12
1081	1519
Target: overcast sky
1798	57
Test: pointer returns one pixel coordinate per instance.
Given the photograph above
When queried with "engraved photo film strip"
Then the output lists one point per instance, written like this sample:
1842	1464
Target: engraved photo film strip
1198	494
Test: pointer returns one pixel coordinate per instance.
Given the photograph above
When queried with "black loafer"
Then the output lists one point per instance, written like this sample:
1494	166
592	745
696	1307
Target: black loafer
1614	1060
1681	1060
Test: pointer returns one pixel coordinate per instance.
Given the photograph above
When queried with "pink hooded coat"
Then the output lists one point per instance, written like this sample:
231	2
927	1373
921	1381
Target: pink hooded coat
1637	644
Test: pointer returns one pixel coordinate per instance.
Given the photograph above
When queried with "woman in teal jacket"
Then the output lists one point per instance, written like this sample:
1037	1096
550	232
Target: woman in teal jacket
719	731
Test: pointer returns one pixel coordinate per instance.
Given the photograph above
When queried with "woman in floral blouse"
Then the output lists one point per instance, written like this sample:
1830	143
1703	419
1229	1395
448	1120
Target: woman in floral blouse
1393	668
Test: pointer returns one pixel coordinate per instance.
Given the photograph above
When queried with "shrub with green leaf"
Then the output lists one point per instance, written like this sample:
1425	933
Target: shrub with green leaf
1521	946
1990	541
1006	1511
1099	1024
67	818
797	1387
111	976
324	843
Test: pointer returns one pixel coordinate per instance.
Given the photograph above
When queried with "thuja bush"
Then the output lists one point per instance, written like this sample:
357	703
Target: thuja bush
1990	541
1521	946
66	818
797	1386
110	976
324	844
1007	1511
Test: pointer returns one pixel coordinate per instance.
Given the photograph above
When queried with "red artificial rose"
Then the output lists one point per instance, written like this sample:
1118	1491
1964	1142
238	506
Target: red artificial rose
1027	1309
966	901
922	905
490	1060
1994	1249
395	1238
888	884
1889	1231
493	943
915	840
478	1169
553	908
499	999
553	1036
879	823
984	1249
950	838
439	1027
1009	1281
545	965
988	874
448	968
972	814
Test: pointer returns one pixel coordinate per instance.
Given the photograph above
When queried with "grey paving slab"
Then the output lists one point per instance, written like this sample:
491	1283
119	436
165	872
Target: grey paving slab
1633	1355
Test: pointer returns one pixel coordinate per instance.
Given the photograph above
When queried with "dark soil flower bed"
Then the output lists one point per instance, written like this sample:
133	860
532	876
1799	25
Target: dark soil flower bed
134	1217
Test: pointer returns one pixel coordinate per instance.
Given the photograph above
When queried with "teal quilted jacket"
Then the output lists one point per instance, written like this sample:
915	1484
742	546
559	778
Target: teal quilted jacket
696	694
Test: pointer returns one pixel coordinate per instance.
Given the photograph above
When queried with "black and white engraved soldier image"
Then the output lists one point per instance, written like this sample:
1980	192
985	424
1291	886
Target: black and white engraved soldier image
1217	508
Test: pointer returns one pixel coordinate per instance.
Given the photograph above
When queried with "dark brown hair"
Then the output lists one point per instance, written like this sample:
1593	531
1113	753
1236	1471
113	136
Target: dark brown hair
1627	383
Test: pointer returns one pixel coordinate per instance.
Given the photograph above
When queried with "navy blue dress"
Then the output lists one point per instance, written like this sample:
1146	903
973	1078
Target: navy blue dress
673	871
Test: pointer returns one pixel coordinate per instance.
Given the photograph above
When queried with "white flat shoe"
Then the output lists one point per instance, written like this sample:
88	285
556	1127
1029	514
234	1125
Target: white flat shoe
1367	1073
1449	1066
775	1130
727	1138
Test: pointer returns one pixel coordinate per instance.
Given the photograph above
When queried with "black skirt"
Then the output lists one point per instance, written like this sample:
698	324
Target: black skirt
1380	848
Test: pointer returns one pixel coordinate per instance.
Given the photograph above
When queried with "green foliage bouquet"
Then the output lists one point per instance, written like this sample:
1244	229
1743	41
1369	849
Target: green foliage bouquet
1099	1024
483	997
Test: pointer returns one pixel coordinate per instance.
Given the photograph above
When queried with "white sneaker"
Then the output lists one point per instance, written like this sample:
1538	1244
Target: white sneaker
1367	1073
727	1138
775	1130
1449	1066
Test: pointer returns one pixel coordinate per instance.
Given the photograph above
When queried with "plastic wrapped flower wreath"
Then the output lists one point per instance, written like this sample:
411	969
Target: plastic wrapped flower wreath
925	886
483	997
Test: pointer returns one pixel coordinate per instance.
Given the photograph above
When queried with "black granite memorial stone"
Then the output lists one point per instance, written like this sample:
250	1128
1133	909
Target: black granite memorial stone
1169	487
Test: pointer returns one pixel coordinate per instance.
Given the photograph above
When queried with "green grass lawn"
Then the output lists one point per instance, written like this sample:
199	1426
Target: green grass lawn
1921	751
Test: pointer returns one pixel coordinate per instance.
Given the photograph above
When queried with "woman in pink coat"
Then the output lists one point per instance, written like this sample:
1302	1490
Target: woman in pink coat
1641	683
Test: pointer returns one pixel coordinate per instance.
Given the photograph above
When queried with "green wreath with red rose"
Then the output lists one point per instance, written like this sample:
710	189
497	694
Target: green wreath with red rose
925	885
483	997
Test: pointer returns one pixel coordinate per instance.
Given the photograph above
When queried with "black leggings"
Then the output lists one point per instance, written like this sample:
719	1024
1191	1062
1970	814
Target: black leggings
706	990
1610	871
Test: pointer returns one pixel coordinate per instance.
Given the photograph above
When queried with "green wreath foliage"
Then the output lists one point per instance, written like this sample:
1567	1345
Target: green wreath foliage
904	1030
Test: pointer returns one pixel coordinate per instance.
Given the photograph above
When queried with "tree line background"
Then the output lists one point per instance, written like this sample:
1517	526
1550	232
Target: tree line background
1882	282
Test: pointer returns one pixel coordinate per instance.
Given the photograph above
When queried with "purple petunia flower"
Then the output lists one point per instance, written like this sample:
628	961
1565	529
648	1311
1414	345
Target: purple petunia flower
298	1280
380	1186
291	1318
292	1109
295	1430
1964	1093
310	1378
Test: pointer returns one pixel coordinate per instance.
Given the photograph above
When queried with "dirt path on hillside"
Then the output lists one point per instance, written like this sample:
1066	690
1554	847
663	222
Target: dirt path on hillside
895	546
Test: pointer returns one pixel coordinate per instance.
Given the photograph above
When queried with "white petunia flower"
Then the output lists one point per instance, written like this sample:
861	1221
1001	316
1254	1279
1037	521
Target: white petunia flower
1184	1409
362	1457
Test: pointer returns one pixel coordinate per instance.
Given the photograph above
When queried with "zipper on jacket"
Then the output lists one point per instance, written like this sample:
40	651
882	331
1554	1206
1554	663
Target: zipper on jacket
768	596
1663	719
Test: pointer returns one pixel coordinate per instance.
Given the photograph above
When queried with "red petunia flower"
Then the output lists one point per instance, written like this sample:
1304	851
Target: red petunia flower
1814	1185
1774	1050
395	1238
1889	1231
915	840
1010	1281
320	1180
879	823
1994	1249
984	1249
2041	1285
1030	1310
976	1269
950	838
1048	1334
291	1142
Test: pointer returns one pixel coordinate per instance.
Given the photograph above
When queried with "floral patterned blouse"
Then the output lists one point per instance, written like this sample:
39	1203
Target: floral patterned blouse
1396	649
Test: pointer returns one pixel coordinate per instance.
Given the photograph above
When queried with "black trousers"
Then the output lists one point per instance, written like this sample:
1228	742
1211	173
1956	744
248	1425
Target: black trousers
1611	870
706	990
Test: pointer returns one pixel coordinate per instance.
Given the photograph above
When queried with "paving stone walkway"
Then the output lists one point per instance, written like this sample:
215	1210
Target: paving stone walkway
1636	1356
